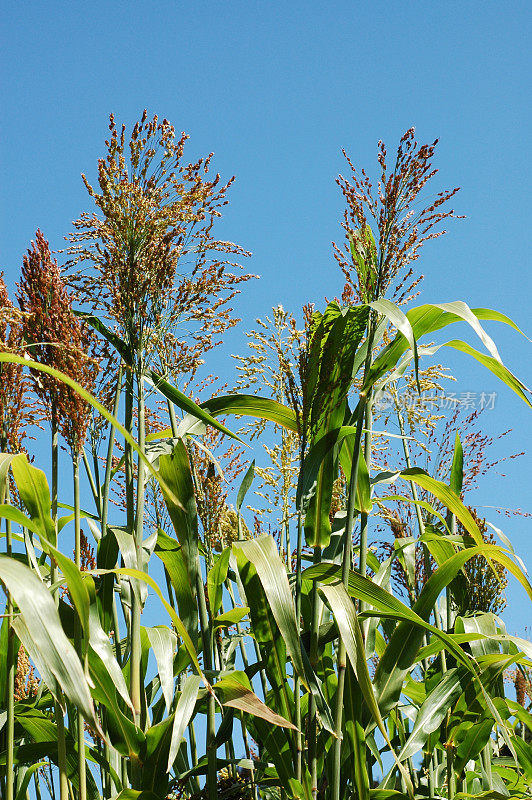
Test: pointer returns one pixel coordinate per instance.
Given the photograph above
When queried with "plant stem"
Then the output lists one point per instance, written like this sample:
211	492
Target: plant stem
82	764
297	687
109	458
138	536
207	639
58	711
11	669
346	566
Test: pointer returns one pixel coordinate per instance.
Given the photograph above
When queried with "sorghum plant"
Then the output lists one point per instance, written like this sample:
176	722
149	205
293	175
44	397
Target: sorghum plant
338	687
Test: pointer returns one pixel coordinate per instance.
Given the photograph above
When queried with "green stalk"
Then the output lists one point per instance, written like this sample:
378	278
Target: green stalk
93	483
207	640
138	536
109	458
297	686
346	566
451	776
312	708
413	487
82	765
58	711
10	684
363	555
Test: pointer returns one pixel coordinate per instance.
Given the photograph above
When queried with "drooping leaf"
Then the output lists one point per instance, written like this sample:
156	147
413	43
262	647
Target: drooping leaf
163	643
215	580
182	715
171	554
47	643
175	471
235	691
186	404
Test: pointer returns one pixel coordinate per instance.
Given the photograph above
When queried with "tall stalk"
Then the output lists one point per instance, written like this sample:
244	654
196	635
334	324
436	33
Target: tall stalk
10	683
82	765
210	734
346	566
138	536
297	683
58	711
312	708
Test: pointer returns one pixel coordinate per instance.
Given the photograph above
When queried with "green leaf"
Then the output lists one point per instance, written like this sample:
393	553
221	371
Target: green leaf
426	319
5	461
230	617
495	367
136	794
33	489
60	376
434	710
171	554
183	713
265	631
186	404
244	487
250	405
216	579
46	642
439	490
123	733
351	634
163	643
28	774
457	467
400	321
262	553
175	472
178	624
120	346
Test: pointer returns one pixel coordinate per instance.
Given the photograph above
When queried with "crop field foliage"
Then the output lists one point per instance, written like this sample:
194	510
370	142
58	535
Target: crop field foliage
323	625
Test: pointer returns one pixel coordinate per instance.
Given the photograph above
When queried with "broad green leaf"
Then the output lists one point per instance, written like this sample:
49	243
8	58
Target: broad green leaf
175	471
262	553
495	367
60	376
457	467
426	319
155	756
180	628
182	715
434	709
33	489
231	617
244	487
265	631
250	405
439	490
123	733
136	794
400	321
216	579
48	644
163	643
349	628
171	554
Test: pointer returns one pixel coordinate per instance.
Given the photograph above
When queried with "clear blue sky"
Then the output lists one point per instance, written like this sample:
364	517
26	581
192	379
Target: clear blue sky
276	90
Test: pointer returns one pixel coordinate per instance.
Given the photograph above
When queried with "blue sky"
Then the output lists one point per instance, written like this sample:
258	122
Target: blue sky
276	90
